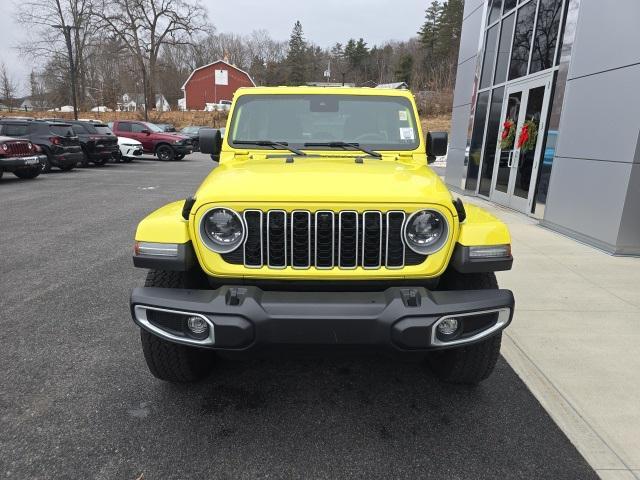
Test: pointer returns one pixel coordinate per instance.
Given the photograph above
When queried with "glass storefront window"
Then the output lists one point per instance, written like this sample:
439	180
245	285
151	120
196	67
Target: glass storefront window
546	37
491	143
509	5
489	56
522	40
495	10
502	61
475	146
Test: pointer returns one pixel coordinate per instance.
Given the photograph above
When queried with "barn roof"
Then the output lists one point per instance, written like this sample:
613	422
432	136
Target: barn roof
213	63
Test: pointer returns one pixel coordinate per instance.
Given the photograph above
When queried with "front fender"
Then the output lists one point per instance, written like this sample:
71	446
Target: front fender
482	228
165	225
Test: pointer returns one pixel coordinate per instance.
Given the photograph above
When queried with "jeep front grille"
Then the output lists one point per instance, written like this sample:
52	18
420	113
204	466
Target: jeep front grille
324	240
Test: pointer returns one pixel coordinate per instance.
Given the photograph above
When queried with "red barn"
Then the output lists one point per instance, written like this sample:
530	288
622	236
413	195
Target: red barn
213	83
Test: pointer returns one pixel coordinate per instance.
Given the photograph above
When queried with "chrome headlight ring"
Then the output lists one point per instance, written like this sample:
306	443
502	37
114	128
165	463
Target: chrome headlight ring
440	235
229	224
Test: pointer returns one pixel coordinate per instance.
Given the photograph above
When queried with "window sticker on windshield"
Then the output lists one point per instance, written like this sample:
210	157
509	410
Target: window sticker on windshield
402	114
407	133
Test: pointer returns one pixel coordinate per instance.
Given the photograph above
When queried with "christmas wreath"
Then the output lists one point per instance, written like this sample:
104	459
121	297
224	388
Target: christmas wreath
528	136
508	134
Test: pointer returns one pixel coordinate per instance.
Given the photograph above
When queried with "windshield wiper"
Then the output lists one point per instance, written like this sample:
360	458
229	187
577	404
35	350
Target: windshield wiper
269	143
353	145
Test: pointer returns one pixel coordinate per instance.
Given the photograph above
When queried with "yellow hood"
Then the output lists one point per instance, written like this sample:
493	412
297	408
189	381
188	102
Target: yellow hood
319	180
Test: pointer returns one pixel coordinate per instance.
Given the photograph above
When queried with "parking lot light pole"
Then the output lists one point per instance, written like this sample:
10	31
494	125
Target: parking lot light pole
66	29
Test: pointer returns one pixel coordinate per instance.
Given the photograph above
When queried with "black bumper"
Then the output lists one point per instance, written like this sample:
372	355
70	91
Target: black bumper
67	159
183	149
11	164
244	317
101	154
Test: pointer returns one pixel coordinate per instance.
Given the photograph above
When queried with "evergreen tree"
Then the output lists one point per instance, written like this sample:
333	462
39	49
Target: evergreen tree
297	57
404	69
430	29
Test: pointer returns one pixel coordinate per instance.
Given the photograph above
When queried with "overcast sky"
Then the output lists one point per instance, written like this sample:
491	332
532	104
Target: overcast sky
324	22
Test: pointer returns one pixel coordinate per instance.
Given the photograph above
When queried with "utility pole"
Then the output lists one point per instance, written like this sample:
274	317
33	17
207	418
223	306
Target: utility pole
66	30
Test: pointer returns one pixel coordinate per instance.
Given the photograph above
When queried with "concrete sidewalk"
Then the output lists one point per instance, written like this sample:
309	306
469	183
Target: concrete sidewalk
575	340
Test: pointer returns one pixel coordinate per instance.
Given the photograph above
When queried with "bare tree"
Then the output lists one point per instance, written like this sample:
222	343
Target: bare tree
49	43
8	87
144	27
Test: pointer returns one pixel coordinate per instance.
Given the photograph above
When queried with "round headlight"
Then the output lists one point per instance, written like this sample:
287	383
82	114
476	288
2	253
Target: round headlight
222	230
426	232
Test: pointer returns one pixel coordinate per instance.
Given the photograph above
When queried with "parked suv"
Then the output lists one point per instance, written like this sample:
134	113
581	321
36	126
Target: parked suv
164	145
323	225
57	141
20	157
98	148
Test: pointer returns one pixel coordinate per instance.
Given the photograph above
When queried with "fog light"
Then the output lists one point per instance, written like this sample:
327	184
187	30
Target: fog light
197	325
448	327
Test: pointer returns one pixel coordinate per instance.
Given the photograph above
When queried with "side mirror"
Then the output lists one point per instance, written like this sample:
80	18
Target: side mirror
211	142
437	144
146	132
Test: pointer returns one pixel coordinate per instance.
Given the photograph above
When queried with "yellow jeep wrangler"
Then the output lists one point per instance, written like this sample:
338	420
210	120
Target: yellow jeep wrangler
322	225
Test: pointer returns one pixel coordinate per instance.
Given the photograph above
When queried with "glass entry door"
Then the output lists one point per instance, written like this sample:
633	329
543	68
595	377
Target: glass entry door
520	140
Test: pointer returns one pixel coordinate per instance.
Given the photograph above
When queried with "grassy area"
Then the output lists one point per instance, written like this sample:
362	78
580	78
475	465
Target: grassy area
210	119
436	123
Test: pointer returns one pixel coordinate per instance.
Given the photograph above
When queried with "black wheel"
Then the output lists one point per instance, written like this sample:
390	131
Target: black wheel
101	162
28	173
180	157
472	363
165	153
46	166
170	361
127	159
1	173
67	168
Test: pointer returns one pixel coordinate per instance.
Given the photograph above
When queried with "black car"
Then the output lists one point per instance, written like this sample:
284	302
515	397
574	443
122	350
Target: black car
193	131
98	145
57	141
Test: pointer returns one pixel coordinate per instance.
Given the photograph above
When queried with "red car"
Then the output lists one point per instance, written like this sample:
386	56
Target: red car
20	157
164	145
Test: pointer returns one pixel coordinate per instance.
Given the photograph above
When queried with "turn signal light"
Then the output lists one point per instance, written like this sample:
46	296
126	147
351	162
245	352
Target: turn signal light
493	251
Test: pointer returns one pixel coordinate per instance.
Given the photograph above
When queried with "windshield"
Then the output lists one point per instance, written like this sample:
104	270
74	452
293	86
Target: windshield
154	128
375	122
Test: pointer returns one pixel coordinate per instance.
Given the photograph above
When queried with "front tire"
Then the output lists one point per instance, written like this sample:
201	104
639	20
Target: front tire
169	361
28	174
165	153
472	363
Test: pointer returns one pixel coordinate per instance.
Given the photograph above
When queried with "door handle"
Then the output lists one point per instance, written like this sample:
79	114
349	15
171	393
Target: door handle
510	161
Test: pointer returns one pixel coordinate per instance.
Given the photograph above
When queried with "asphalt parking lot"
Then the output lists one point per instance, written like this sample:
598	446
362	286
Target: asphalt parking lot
77	401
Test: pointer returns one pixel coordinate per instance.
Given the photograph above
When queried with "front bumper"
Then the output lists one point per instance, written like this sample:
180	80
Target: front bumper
183	149
240	318
10	164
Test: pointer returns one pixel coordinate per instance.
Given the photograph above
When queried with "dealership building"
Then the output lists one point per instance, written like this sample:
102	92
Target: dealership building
546	115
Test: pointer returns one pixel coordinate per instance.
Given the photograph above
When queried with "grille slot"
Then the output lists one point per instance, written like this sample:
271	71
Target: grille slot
300	239
325	233
348	239
253	244
324	239
372	239
277	238
395	245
